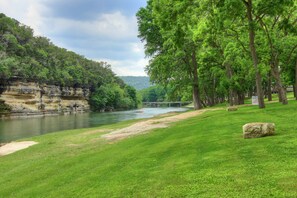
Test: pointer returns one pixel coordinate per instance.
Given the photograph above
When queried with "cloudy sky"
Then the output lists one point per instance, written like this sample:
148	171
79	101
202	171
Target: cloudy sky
103	30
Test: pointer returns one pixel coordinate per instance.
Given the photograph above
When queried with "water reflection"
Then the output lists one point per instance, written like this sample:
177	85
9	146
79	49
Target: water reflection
21	128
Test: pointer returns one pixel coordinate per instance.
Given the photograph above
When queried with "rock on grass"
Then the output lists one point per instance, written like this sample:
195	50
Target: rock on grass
258	129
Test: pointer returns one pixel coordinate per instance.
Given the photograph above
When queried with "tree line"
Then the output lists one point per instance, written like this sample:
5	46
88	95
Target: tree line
30	58
159	93
221	48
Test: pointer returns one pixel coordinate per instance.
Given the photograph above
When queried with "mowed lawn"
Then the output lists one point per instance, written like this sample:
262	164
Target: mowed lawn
204	156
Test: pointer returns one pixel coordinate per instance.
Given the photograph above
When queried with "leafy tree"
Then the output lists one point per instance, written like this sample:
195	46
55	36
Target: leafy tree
131	94
110	96
165	26
223	48
154	94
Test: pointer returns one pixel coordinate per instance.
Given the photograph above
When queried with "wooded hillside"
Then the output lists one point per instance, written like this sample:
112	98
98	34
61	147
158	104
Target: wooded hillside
30	58
138	82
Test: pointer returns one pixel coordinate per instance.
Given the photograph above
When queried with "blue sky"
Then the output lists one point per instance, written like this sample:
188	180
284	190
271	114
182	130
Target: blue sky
102	30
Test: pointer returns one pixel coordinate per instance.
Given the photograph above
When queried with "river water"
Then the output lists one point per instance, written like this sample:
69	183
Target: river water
27	127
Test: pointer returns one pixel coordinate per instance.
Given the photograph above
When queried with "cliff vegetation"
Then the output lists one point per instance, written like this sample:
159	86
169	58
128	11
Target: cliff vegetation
28	58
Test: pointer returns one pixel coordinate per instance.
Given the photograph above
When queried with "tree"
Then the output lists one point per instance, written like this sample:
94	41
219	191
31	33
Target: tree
130	93
174	58
254	55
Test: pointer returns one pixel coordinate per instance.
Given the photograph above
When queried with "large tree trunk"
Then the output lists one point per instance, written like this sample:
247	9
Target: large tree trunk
195	85
231	97
196	99
260	94
279	95
241	98
236	98
269	94
231	91
281	90
209	98
213	94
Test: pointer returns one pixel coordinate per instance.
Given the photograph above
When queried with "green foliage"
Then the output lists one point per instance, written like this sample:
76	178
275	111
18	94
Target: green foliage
138	82
215	39
35	55
158	93
110	97
3	107
149	32
154	94
6	64
131	96
165	26
28	58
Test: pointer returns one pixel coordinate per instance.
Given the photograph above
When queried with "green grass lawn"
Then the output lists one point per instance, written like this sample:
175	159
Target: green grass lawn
204	156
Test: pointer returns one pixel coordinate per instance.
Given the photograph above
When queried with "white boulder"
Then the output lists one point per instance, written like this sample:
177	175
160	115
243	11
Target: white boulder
258	129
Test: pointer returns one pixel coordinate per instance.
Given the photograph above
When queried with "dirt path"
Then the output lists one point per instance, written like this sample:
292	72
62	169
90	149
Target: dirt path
15	146
155	123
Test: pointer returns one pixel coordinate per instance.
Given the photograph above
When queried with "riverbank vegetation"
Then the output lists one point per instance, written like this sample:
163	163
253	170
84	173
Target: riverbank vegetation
28	58
158	93
154	94
3	107
204	156
221	49
111	96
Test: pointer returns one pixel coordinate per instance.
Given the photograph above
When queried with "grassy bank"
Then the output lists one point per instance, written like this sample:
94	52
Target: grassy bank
204	156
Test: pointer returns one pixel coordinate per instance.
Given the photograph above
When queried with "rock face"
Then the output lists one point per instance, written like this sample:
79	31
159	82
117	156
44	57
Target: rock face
34	98
255	130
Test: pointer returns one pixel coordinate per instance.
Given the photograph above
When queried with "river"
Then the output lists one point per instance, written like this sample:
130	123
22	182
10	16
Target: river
27	127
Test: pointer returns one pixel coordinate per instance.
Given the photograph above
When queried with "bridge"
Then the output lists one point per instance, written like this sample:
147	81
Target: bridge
168	104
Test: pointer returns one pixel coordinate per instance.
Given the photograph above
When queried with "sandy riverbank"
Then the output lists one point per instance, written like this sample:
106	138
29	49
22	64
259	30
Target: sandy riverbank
150	124
12	147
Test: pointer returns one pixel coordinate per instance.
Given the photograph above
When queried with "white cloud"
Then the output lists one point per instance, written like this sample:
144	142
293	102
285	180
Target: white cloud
13	8
114	27
29	12
137	48
34	18
128	67
32	13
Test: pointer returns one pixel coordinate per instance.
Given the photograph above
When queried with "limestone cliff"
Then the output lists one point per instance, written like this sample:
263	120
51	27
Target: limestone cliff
34	98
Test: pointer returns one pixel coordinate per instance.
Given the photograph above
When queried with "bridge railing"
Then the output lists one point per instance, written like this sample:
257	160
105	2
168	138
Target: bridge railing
169	104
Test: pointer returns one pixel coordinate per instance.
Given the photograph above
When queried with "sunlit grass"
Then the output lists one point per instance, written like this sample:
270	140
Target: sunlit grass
204	156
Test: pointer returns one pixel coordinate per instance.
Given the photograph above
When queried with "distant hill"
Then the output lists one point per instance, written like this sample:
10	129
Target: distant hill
138	82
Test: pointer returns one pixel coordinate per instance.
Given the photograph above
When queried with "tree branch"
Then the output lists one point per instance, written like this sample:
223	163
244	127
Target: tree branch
238	39
264	27
275	21
259	17
245	3
291	53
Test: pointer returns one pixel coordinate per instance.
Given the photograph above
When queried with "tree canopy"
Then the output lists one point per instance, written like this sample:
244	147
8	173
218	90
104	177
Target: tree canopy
223	49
